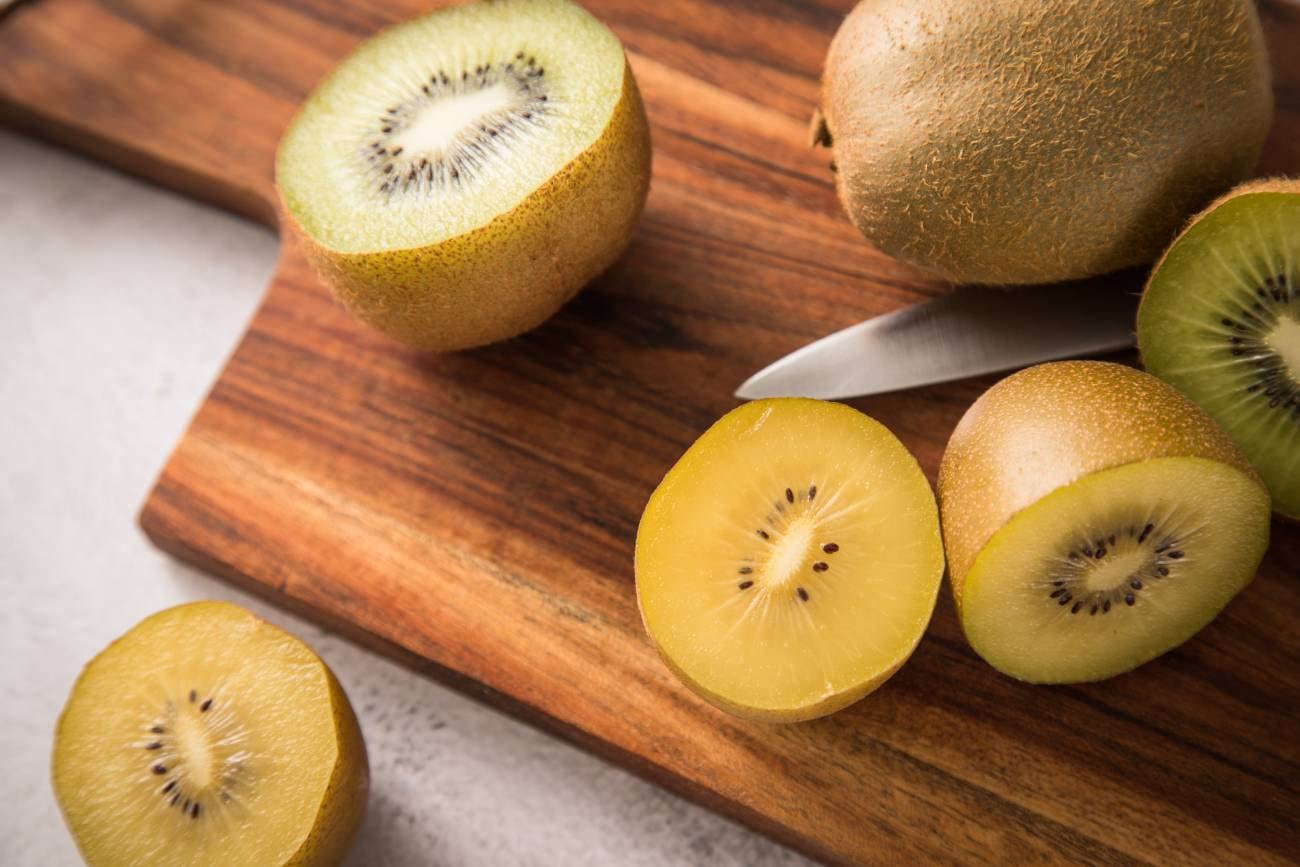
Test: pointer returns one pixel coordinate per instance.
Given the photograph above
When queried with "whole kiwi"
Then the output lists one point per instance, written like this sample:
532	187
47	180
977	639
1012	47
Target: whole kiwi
1029	141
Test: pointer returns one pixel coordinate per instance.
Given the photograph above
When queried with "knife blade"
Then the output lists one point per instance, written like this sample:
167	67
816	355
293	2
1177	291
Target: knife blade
971	331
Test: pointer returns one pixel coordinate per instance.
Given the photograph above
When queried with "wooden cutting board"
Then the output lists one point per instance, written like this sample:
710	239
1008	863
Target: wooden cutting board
474	515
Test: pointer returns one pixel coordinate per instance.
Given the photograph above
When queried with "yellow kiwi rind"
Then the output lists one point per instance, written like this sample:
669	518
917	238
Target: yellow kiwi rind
321	842
1105	126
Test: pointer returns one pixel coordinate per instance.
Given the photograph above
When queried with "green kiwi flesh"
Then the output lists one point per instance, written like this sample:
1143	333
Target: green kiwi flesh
1220	321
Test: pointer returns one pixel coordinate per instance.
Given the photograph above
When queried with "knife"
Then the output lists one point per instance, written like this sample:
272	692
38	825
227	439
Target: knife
971	331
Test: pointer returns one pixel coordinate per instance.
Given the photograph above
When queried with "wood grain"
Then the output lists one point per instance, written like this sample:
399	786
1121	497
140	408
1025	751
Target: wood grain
474	515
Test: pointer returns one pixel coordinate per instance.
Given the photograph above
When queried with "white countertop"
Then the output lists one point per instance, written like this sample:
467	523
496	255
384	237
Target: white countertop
121	303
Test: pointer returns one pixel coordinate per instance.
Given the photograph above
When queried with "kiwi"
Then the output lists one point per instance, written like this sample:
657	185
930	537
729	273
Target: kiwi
1220	321
789	562
207	736
1093	518
459	177
1029	141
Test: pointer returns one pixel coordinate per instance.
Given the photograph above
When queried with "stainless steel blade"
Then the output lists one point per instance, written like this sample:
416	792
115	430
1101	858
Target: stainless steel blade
971	331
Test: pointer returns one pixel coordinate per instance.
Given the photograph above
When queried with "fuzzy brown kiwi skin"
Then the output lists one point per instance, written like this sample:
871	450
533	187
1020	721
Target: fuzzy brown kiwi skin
508	276
1071	170
1050	425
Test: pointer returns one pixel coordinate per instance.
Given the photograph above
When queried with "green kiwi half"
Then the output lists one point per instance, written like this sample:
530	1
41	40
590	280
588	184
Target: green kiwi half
1220	321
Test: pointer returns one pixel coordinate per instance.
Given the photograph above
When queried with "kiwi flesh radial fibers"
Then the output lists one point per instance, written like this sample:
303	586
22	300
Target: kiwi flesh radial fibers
789	562
205	736
1030	141
1220	321
1093	518
459	177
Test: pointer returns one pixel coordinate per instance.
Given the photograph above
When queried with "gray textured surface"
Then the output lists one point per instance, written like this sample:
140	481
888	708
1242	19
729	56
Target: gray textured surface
120	303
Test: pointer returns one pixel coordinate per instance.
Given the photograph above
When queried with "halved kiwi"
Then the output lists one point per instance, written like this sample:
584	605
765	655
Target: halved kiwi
207	736
459	177
1094	518
1220	321
789	562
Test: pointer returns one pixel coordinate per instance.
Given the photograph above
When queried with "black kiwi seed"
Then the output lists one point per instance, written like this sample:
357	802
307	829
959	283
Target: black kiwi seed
157	730
206	706
159	769
789	495
803	594
745	570
830	547
819	566
156	745
812	492
745	585
763	534
171	784
194	811
1129	598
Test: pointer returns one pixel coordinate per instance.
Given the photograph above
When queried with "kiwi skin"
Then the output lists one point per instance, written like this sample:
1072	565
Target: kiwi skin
973	141
1259	186
1050	425
343	807
508	276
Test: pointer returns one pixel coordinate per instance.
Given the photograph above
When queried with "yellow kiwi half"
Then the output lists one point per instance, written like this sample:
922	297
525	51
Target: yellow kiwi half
206	736
1093	518
459	177
789	562
1028	141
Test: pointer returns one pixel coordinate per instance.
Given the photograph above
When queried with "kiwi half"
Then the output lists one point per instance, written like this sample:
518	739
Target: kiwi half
207	736
1094	518
1028	141
460	176
789	562
1220	321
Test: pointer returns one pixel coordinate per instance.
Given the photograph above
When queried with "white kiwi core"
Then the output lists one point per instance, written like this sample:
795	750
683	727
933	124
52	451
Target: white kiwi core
1284	339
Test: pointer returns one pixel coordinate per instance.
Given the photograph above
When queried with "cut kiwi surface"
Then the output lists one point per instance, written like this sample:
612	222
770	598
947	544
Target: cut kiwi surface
207	736
1220	321
789	562
460	176
1094	518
